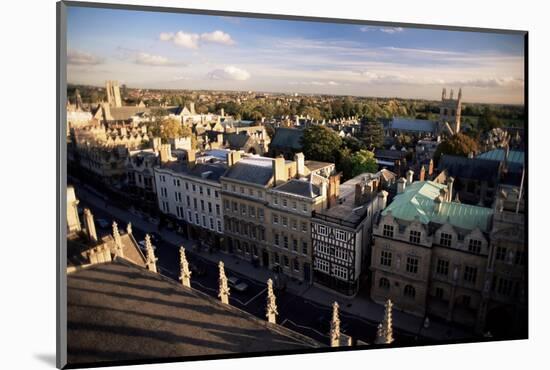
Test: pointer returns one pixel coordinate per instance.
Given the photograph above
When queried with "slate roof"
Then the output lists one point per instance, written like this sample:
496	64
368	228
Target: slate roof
411	124
469	168
236	141
418	201
514	156
256	171
117	311
287	138
300	187
207	171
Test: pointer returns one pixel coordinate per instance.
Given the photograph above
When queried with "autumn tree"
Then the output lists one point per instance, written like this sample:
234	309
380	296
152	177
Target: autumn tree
372	134
458	144
363	161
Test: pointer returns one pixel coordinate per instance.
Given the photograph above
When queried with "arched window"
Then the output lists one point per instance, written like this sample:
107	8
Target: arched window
384	283
409	291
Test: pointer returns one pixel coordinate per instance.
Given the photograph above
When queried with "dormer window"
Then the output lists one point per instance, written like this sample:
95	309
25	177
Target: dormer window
474	246
414	237
446	240
388	231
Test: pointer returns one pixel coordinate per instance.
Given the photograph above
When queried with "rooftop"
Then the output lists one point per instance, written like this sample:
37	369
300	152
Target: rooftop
207	171
514	156
303	188
411	124
417	203
470	168
287	138
117	311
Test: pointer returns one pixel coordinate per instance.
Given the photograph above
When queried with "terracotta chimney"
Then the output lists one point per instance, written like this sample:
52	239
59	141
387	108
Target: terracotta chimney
422	175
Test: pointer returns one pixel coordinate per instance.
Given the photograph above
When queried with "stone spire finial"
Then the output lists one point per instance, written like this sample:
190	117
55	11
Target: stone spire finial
118	241
224	289
129	228
151	260
185	274
384	334
90	225
271	310
335	326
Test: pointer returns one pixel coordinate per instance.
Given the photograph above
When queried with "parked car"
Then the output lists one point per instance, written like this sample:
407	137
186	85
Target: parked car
235	283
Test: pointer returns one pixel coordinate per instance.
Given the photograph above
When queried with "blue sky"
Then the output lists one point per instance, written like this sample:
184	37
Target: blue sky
164	50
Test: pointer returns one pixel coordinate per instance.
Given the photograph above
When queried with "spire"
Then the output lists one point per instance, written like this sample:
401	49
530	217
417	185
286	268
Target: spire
335	326
151	260
271	310
224	289
384	334
460	94
90	225
443	94
185	276
118	242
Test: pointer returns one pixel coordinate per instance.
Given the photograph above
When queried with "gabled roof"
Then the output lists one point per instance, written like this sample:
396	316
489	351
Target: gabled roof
469	168
411	124
252	171
417	203
287	138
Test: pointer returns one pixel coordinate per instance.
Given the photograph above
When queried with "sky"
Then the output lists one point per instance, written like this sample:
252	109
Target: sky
185	51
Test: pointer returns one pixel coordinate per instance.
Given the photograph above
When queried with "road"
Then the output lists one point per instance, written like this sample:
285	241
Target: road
295	312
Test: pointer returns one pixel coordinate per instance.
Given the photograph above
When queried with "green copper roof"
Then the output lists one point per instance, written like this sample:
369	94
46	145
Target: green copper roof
514	156
418	201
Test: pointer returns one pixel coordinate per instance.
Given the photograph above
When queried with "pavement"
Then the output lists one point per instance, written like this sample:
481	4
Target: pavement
357	308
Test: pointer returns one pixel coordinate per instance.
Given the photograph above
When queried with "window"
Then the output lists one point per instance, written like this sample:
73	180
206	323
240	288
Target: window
208	193
285	241
519	258
322	230
384	283
470	274
474	246
388	231
304	227
340	235
285	221
294	205
193	187
243	209
204	221
197	221
188	201
241	189
294	224
211	223
255	250
284	202
322	265
414	237
261	214
219	226
209	207
276	239
252	211
304	207
295	245
442	267
304	247
446	239
412	265
233	188
189	216
341	272
202	205
246	248
226	205
439	293
501	254
504	286
275	218
186	186
216	194
235	207
276	258
275	200
385	258
259	194
195	203
285	259
218	209
409	291
296	265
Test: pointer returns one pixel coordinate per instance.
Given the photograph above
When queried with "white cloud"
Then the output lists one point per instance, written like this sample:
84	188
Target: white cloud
316	83
152	60
229	73
218	37
491	82
77	57
193	40
391	30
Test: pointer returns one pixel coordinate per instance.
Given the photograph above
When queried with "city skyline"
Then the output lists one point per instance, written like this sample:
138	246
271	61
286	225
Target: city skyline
183	51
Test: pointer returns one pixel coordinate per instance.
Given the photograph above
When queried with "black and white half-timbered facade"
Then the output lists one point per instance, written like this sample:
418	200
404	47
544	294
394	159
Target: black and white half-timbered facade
341	234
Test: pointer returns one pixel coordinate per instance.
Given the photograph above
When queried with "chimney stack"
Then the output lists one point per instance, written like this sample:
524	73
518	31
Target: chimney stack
401	184
382	199
90	225
300	164
192	107
450	182
233	157
333	189
191	157
157	142
422	175
165	153
280	174
410	175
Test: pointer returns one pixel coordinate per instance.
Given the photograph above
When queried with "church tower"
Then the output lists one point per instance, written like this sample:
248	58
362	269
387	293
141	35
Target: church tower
450	112
113	93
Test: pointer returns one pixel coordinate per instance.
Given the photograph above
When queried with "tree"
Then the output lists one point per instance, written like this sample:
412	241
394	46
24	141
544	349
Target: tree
458	144
353	143
169	128
363	161
373	133
320	143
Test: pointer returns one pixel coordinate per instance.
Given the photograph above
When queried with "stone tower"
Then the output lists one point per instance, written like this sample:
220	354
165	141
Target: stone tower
450	111
113	93
73	221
